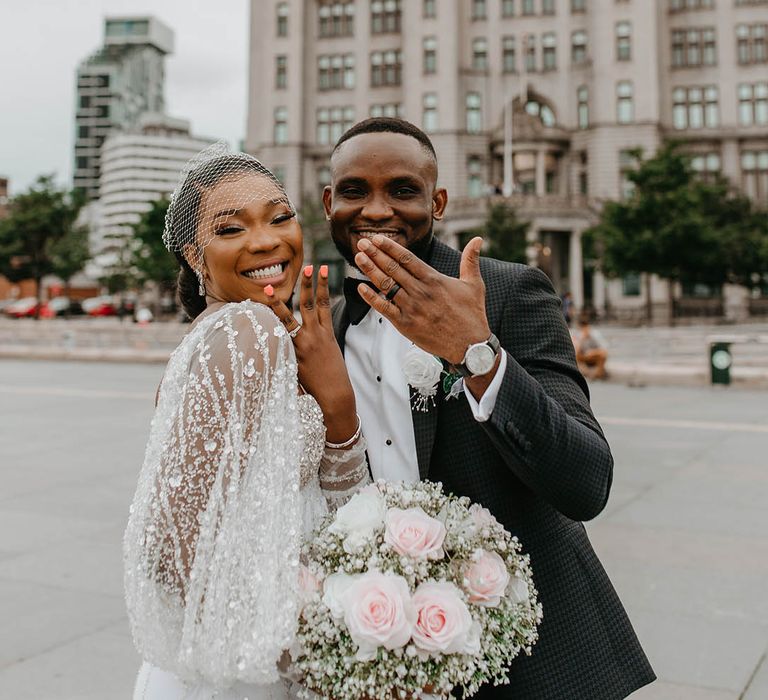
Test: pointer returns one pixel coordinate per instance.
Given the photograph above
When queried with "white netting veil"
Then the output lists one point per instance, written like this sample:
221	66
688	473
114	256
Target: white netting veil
194	216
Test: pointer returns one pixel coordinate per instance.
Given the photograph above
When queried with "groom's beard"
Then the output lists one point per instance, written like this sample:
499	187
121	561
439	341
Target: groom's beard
420	248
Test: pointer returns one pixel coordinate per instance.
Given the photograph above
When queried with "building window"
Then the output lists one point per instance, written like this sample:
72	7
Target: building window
281	125
548	7
282	19
751	44
578	5
528	7
474	176
429	8
386	68
679	5
530	53
706	165
323	179
385	16
627	164
549	51
429	112
336	72
479	54
478	9
630	284
430	54
332	123
474	114
542	111
579	47
508	59
623	41
695	107
625	105
386	110
582	96
82	132
336	18
754	175
281	72
507	8
753	104
583	171
694	47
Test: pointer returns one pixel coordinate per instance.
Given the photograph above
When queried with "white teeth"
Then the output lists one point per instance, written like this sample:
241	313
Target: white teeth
265	272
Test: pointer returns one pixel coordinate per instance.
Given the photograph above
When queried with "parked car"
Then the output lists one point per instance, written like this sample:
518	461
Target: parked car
60	306
23	308
100	306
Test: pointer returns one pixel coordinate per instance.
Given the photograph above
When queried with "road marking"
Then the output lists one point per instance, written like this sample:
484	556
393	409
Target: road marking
693	424
74	393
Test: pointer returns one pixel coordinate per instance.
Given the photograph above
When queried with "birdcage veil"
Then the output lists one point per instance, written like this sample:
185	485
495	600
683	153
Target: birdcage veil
190	224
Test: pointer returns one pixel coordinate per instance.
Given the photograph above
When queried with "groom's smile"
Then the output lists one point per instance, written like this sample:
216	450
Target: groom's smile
383	183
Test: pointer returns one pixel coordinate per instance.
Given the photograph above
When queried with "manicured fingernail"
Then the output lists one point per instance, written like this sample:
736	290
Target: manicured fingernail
364	290
324	271
363	244
308	270
362	259
269	290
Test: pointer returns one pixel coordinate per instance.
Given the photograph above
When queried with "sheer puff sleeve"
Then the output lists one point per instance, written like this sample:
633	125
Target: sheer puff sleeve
211	550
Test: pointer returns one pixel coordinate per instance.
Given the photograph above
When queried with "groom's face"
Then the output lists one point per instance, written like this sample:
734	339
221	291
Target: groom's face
382	183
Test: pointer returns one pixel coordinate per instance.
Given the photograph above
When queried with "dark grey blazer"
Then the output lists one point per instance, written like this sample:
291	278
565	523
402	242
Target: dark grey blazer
541	465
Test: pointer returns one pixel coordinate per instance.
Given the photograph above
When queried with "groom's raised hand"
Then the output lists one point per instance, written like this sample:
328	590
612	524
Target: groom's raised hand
441	314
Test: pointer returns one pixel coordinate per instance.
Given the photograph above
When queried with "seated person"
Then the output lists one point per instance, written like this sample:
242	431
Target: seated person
591	351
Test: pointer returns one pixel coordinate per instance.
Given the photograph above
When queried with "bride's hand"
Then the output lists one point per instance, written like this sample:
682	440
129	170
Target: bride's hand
322	372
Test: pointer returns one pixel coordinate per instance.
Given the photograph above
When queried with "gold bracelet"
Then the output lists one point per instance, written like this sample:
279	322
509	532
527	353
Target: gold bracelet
341	445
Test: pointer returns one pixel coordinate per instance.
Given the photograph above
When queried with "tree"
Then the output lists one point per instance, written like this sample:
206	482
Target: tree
505	234
676	225
36	220
69	254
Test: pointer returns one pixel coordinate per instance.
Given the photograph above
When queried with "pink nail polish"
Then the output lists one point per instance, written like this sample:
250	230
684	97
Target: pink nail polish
308	270
324	271
269	290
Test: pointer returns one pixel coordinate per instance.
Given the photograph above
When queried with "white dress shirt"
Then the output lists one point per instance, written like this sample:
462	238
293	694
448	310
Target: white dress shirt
374	353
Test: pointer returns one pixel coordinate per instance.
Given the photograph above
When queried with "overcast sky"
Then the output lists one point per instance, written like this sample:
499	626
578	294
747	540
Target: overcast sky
42	42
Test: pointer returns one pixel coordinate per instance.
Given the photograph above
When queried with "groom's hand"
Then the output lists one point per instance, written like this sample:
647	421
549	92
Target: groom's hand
442	315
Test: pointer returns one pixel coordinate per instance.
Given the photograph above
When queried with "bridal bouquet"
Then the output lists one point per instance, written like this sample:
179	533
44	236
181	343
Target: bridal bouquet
407	590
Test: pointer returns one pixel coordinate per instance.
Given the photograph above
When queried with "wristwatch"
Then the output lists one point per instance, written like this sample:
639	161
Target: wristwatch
479	358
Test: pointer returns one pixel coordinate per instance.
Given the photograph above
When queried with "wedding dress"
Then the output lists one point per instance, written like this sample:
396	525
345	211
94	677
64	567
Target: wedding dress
235	474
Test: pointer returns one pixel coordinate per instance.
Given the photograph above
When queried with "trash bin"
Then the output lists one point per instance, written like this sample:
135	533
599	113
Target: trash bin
720	361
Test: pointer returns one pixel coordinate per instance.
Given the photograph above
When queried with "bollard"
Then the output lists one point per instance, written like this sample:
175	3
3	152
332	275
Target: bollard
720	361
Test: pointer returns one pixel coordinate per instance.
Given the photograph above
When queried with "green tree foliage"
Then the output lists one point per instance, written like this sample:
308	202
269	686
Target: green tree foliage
69	253
679	226
149	258
504	233
36	220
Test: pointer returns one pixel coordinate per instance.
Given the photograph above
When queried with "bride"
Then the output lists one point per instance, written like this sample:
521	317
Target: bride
247	447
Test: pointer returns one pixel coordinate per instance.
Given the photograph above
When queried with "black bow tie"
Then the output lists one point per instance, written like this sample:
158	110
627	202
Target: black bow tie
356	306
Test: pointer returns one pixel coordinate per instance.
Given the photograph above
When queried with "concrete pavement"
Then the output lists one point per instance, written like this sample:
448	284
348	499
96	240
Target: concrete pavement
684	537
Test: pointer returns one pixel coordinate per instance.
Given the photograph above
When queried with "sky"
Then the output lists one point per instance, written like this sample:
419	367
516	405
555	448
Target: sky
42	42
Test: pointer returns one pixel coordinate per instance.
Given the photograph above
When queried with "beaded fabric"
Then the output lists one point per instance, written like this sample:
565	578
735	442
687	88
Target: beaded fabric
211	550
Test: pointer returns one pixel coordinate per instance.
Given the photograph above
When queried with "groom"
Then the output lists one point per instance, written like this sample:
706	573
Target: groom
519	437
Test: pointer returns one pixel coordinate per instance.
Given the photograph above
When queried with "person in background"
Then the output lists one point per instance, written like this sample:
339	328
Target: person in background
591	349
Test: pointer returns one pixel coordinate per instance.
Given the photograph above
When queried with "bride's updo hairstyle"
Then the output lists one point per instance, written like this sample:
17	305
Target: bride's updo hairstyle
185	237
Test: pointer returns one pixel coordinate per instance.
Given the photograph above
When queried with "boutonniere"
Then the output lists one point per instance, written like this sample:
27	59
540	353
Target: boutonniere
423	372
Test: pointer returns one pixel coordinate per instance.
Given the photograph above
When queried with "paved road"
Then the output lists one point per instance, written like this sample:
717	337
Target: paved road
684	537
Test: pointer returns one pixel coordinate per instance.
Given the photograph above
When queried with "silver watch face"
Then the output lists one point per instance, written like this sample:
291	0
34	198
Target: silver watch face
480	358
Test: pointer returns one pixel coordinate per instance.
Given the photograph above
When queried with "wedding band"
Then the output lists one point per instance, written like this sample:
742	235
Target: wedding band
390	295
295	331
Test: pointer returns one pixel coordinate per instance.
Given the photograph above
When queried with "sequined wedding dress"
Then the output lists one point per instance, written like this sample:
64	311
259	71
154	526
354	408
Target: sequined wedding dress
235	474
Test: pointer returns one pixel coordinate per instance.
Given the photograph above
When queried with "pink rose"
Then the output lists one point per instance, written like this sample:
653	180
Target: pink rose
482	516
309	584
378	612
414	533
485	579
444	624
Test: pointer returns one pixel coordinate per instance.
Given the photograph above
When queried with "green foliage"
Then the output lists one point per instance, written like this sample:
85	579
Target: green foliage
69	253
149	259
504	233
36	220
679	226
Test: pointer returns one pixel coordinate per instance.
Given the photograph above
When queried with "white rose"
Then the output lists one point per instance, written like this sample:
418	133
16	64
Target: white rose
517	590
334	588
358	520
421	369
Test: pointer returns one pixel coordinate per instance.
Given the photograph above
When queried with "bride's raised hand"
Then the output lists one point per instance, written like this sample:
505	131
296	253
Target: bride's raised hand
322	372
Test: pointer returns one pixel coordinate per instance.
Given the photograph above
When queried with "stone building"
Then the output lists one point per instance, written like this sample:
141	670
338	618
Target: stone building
537	101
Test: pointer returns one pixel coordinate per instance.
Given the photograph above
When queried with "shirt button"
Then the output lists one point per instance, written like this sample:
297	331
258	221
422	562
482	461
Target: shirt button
389	442
378	379
381	320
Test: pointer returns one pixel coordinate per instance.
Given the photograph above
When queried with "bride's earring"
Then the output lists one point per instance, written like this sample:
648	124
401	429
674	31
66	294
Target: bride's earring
201	285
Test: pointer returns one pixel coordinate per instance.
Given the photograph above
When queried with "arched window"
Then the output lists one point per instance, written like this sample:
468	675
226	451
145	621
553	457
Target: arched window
542	111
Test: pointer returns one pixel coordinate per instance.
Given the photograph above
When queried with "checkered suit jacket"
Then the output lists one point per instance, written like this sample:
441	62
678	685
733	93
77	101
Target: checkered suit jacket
541	465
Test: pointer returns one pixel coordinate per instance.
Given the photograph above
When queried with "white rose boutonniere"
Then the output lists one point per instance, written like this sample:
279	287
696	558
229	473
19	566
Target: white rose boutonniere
423	372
